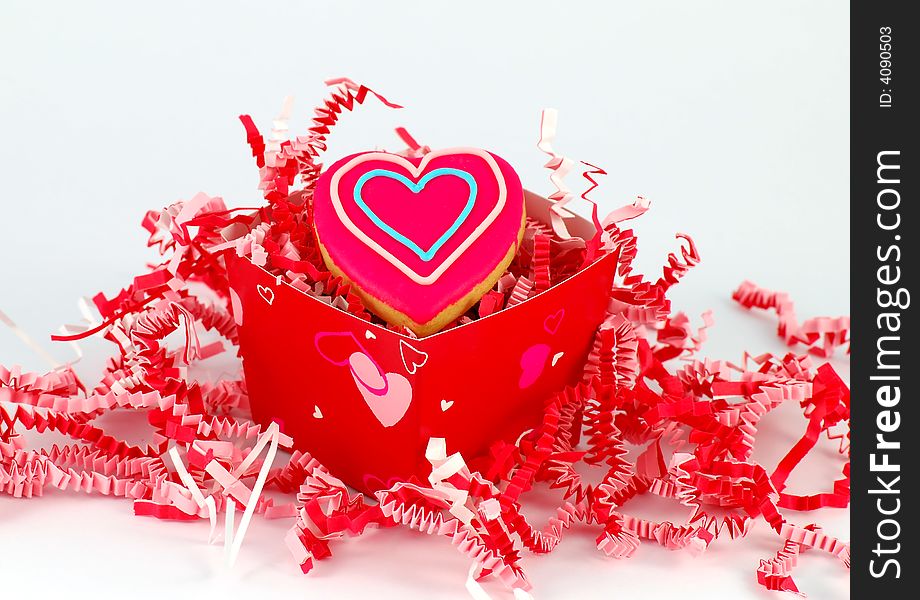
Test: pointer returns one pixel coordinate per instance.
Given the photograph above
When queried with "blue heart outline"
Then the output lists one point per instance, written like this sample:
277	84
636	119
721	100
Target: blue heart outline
425	255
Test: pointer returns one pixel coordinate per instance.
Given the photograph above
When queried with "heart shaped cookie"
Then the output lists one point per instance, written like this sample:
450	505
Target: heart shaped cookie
421	239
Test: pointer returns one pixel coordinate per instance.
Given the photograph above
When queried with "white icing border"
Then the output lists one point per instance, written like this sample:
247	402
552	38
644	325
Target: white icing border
416	172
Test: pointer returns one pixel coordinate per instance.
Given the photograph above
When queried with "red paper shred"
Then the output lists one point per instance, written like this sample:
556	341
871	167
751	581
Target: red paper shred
820	335
642	386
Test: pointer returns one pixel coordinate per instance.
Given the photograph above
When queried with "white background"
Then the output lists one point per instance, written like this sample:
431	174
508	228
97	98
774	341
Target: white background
732	117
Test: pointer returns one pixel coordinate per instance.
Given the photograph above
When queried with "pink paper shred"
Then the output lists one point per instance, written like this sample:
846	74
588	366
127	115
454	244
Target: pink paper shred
642	385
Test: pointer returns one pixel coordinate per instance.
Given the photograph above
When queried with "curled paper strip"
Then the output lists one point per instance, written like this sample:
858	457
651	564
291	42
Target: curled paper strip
642	385
821	335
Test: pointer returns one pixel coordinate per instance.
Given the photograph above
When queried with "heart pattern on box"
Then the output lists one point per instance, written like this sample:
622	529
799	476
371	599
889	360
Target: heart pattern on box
387	395
412	358
267	293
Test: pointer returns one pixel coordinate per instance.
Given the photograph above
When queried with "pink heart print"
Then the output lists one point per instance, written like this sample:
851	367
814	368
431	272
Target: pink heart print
533	362
552	322
418	235
388	395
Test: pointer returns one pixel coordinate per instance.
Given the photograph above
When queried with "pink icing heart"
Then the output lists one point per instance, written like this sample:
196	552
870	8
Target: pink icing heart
419	236
388	395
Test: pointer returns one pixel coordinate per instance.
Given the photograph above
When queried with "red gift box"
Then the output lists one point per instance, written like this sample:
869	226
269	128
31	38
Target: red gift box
365	400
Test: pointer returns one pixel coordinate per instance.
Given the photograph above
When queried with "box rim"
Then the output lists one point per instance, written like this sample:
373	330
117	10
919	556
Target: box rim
593	266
